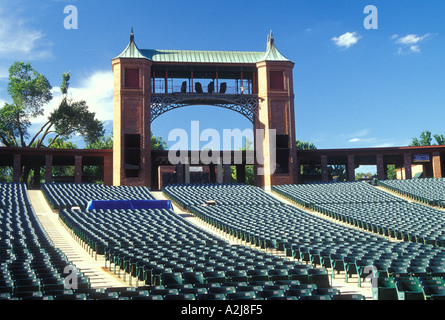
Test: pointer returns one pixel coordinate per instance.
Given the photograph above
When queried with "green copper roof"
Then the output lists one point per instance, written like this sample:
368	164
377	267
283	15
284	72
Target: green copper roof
201	56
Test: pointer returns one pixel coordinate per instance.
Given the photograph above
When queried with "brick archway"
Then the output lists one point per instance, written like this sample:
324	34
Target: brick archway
256	84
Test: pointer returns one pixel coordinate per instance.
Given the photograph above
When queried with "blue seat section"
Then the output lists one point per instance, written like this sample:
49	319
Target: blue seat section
31	268
130	204
427	190
67	195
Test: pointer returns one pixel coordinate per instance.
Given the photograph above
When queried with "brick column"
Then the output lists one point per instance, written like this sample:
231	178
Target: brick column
78	169
407	164
240	173
380	167
48	169
324	169
437	169
298	173
212	173
227	174
351	167
108	171
219	173
180	173
187	173
17	168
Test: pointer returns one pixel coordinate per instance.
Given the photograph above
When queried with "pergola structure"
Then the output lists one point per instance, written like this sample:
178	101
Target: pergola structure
256	84
36	158
432	158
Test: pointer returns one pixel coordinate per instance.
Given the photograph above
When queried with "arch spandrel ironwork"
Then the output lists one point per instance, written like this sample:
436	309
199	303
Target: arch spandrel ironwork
245	104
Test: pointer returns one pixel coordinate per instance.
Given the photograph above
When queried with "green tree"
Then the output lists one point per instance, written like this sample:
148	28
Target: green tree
337	172
424	140
30	92
101	143
70	118
304	145
158	143
249	169
6	174
440	139
391	172
363	175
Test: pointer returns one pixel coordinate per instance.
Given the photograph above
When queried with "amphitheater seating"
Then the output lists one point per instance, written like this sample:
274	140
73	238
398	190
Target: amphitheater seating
315	241
223	194
30	267
369	208
418	227
160	248
426	190
172	259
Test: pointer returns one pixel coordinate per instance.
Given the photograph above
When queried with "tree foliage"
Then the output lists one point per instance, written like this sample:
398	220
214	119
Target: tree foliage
426	138
304	145
30	92
391	172
158	143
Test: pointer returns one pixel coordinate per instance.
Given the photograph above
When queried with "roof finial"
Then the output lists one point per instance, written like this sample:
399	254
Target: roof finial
270	40
131	35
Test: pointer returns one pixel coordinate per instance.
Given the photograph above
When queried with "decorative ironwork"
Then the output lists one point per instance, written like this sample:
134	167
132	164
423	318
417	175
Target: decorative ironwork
245	104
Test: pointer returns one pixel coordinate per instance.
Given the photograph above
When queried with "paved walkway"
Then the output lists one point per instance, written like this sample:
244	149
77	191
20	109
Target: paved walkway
99	276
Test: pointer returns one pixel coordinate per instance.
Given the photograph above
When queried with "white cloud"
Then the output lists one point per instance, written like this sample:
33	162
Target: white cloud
96	90
411	39
415	49
361	136
18	40
346	40
409	43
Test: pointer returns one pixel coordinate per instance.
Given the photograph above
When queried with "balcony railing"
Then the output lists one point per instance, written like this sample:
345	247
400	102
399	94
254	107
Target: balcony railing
245	104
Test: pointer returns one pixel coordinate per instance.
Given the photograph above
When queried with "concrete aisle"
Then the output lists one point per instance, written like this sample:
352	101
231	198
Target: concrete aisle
99	276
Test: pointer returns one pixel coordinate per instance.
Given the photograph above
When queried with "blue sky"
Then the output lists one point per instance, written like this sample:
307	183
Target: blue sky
354	87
